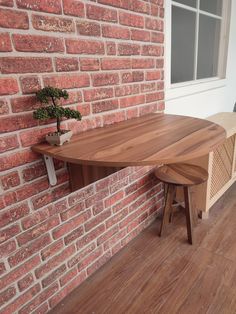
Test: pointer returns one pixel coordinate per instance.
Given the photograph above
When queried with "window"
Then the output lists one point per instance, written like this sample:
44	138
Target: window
198	40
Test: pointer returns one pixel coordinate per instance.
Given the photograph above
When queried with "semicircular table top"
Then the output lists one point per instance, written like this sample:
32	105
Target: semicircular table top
153	139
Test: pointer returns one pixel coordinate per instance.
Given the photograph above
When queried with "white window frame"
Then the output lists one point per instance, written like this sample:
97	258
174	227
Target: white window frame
178	90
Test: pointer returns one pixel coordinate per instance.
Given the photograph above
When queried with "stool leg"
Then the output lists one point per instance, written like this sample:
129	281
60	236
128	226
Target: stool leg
166	212
188	213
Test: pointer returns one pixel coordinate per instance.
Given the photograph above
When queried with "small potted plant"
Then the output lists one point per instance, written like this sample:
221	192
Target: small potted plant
50	95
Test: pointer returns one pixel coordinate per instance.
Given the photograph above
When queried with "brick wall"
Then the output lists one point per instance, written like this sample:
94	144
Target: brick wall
109	55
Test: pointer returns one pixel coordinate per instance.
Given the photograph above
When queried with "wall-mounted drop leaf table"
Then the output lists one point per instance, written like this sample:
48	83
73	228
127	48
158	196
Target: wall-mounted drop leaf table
153	139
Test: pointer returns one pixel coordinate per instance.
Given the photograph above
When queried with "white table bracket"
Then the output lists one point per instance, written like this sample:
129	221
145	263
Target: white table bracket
50	170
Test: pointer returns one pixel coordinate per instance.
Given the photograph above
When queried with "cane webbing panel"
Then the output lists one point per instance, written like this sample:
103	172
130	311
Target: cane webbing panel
222	166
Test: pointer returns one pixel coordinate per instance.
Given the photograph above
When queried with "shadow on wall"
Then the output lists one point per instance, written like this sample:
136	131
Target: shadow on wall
234	107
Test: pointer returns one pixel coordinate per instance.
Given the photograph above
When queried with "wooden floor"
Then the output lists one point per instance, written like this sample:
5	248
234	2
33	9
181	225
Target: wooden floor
167	275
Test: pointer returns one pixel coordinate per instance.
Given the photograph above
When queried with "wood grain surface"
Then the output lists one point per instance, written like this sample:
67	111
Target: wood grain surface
148	140
181	174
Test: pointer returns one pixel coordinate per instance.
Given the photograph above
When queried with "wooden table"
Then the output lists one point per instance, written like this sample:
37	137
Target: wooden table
149	140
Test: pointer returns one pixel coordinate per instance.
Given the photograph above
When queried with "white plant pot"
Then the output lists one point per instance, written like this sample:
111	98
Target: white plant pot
58	140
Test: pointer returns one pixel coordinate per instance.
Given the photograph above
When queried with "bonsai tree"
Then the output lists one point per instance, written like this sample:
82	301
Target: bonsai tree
53	111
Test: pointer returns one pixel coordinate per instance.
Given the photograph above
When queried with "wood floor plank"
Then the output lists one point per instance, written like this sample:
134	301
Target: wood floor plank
166	275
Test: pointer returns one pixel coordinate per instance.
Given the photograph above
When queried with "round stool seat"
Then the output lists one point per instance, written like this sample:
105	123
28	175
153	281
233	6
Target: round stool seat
181	174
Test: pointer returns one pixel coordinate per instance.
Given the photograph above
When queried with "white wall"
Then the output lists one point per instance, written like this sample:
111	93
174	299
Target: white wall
203	104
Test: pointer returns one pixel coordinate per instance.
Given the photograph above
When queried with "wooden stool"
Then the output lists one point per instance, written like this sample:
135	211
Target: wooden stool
180	175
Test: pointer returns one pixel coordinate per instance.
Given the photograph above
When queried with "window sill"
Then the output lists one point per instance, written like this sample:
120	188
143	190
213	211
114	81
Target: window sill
193	88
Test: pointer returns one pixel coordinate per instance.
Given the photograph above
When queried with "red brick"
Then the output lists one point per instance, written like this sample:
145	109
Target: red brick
52	249
18	272
13	123
143	63
54	275
162	12
84	109
132	113
124	4
97	220
132	101
67	289
13	19
89	64
75	210
7	295
26	282
2	268
10	198
68	276
76	233
4	108
42	200
35	43
74	8
129	49
101	14
106	236
114	198
5	42
13	214
80	46
140	35
89	259
88	28
157	37
98	94
105	79
118	32
114	117
8	86
53	6
25	65
22	299
130	19
130	77
154	10
9	232
111	48
7	3
55	261
8	143
89	237
154	96
151	50
33	172
139	6
42	309
10	180
116	63
35	232
29	84
29	250
115	239
154	24
53	24
148	87
81	255
25	103
126	90
39	299
67	81
153	75
71	224
101	261
148	108
159	63
7	248
105	105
